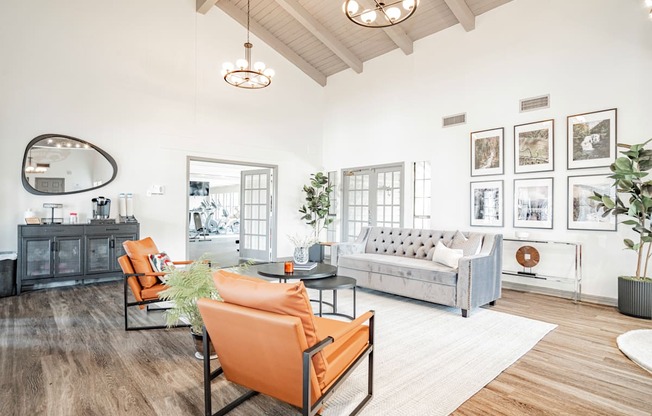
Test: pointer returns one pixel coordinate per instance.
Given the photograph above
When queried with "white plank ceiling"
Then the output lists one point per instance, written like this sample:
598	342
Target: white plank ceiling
316	36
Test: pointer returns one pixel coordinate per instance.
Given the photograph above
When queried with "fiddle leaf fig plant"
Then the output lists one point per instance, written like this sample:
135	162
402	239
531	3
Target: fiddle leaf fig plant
318	202
630	175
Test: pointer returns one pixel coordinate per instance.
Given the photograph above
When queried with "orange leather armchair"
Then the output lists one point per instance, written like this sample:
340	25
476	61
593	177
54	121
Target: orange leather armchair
268	340
141	278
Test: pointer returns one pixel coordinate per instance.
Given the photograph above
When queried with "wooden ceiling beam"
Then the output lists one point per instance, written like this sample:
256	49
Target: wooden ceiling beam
203	6
400	38
320	32
463	14
263	34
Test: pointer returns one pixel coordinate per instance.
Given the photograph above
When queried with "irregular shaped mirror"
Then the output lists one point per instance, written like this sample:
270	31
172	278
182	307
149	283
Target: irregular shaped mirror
55	164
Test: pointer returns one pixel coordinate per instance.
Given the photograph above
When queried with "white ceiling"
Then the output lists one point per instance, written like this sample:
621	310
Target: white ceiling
316	36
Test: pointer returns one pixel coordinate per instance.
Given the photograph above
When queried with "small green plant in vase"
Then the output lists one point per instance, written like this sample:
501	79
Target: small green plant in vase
630	175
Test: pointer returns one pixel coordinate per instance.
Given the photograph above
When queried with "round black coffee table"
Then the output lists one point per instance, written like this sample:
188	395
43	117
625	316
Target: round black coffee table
277	270
332	283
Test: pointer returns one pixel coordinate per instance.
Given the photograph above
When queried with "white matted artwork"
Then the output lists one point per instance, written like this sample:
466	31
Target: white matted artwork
592	139
533	203
487	204
534	147
583	212
487	152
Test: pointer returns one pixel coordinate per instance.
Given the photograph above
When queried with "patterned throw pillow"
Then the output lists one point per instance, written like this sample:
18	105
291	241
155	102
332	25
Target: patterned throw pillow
470	245
161	262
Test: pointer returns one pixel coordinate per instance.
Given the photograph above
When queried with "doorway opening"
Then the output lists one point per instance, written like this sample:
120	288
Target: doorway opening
231	217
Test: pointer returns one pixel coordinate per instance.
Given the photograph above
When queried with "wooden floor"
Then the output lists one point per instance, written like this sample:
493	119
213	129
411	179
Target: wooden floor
63	352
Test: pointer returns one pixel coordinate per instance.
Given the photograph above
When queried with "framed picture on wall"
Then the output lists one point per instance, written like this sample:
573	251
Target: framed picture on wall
534	147
487	204
583	213
487	152
592	139
533	203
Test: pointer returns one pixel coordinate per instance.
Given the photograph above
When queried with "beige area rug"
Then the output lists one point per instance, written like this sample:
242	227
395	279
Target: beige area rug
637	346
428	359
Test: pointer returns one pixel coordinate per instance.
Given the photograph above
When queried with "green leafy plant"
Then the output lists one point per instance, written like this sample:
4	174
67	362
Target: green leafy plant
318	202
185	286
630	173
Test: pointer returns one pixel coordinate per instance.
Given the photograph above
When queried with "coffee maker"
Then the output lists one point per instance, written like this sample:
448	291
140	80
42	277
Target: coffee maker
101	211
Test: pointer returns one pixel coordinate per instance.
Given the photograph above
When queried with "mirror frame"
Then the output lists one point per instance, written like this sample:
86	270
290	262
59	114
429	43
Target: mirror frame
29	188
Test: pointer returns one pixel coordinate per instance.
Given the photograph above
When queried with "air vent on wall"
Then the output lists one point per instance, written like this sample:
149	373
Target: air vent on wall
535	103
455	120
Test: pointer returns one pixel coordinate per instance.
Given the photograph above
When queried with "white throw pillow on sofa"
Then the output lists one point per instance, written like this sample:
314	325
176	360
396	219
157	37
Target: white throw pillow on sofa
470	246
447	256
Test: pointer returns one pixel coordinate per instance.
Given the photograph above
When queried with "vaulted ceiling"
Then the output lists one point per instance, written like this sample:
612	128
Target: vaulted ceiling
316	36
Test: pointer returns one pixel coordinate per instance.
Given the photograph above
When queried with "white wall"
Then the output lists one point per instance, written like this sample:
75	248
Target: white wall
588	54
140	79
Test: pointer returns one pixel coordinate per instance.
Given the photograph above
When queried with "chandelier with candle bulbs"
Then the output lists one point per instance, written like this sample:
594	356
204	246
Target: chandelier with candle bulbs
380	14
243	74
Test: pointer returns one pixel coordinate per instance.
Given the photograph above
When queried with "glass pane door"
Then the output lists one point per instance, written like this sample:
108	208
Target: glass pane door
97	258
372	197
255	221
39	258
356	203
69	256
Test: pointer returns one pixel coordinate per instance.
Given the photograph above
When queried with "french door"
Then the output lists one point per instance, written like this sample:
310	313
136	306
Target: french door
256	214
371	197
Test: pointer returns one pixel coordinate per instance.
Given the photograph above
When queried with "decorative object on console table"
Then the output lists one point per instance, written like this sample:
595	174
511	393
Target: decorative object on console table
534	147
584	212
316	210
591	139
52	219
559	255
533	203
628	172
487	203
487	152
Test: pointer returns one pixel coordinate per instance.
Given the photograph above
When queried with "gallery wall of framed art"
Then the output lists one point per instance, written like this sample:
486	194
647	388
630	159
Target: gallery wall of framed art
591	144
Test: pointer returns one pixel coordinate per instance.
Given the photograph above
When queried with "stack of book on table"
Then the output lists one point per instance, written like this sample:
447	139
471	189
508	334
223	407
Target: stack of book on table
303	267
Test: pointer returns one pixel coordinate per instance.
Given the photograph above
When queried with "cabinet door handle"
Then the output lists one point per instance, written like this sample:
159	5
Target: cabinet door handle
53	246
112	243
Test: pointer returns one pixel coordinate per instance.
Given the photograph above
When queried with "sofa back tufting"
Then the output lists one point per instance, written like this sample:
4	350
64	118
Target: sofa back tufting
406	242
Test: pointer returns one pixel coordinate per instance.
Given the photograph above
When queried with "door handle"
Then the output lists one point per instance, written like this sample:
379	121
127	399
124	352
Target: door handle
112	243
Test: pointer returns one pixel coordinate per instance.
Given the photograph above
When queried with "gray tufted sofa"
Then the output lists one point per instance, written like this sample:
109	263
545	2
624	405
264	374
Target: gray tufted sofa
399	261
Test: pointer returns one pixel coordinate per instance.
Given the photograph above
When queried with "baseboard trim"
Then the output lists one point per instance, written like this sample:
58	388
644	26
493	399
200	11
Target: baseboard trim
566	294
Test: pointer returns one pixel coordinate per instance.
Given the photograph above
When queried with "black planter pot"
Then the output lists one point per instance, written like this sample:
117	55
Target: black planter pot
199	347
316	253
635	297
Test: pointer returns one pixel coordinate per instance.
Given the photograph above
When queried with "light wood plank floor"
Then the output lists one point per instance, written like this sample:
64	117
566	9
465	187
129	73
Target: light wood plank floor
63	352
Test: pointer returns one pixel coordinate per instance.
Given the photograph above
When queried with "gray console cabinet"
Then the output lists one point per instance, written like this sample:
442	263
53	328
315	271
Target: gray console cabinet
52	253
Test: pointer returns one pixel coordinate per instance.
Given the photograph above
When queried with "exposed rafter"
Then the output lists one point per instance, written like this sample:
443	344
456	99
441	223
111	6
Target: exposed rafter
320	32
203	6
259	31
463	14
400	38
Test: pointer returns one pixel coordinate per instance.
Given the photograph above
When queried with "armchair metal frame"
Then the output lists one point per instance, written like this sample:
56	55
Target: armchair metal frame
307	409
148	302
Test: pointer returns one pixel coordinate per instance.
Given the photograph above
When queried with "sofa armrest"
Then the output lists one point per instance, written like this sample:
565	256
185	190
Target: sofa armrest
341	249
479	277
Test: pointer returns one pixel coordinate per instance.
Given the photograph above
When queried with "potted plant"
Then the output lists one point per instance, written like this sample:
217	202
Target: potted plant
630	176
315	210
184	287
